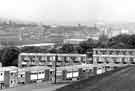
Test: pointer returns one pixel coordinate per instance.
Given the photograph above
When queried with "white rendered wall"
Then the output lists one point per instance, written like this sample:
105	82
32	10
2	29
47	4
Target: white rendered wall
33	76
41	75
1	76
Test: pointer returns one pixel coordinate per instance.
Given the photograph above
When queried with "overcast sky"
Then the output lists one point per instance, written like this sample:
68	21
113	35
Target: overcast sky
65	11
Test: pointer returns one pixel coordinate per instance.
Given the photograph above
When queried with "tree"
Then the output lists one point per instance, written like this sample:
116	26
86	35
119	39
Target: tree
9	56
131	41
53	50
120	41
68	48
31	49
103	41
119	45
88	45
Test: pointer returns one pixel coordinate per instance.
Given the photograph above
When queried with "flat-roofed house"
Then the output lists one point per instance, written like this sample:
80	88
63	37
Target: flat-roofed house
65	73
73	72
115	57
23	75
48	59
8	77
33	74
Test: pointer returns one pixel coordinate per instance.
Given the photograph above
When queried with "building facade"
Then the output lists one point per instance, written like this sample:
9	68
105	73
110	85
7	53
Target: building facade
8	77
33	74
13	76
48	59
114	56
73	41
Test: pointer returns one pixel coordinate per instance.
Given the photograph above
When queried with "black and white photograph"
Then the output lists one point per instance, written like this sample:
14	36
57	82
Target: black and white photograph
67	45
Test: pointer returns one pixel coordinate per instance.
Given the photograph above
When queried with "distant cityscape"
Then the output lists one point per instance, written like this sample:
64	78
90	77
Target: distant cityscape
21	34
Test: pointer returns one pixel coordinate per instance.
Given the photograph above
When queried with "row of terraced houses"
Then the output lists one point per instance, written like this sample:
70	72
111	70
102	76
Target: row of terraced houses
39	67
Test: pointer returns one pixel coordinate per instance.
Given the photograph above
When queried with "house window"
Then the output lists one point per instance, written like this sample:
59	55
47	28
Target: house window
21	75
68	59
11	81
78	58
1	74
59	58
43	58
51	58
123	60
100	60
51	72
11	74
40	72
26	58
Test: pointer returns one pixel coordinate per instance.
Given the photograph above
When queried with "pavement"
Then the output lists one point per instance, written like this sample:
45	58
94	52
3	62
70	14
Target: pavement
44	86
120	80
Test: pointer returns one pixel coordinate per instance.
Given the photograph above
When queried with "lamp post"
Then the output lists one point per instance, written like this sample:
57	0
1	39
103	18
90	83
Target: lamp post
55	69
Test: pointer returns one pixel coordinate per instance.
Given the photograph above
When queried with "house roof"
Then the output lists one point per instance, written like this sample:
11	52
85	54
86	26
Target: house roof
9	68
34	68
52	54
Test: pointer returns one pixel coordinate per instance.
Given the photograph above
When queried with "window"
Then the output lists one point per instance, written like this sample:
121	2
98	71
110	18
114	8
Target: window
123	60
59	73
11	81
59	58
43	58
12	74
90	70
78	59
103	52
131	53
26	58
99	60
113	53
51	58
95	52
36	58
51	72
131	60
1	74
22	75
75	74
77	62
124	52
33	73
40	72
68	58
69	75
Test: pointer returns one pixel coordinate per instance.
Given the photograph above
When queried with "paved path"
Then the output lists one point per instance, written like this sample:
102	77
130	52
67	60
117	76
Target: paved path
36	87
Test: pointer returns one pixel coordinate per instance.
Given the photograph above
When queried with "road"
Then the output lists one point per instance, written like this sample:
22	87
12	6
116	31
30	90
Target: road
122	80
